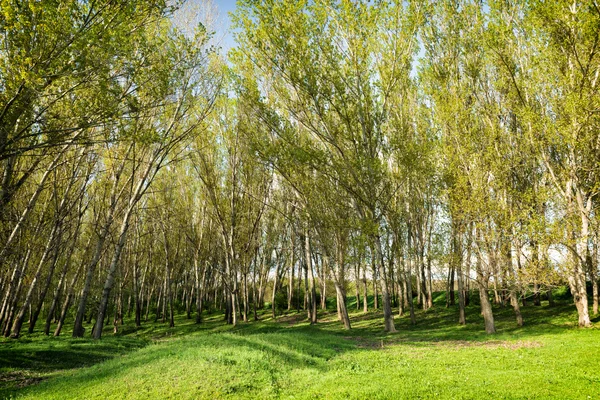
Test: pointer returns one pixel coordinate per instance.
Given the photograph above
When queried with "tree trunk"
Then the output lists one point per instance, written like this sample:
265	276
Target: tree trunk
62	279
12	294
429	284
323	286
592	261
365	291
375	291
514	301
108	283
245	296
18	322
78	329
163	312
400	289
408	278
388	317
254	291
55	299
67	302
342	305
577	280
312	314
357	284
458	262
42	295
274	293
550	298
291	271
486	307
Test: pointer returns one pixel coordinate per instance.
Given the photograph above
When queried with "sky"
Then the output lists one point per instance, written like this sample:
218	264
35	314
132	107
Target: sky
223	33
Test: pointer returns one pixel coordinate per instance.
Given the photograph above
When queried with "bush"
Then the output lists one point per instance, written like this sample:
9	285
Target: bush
281	301
561	293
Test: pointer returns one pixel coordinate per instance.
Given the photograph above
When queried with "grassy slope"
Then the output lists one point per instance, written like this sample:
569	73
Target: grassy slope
548	358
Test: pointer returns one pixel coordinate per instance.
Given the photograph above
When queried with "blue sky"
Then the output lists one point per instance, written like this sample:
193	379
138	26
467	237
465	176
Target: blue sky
223	25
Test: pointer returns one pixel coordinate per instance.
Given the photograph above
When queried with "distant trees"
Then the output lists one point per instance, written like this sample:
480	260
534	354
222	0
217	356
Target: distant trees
96	98
396	149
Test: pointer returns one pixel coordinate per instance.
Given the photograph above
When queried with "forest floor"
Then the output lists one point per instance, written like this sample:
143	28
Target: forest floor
549	357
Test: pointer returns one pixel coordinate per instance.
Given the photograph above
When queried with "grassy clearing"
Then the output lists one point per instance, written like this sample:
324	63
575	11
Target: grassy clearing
548	358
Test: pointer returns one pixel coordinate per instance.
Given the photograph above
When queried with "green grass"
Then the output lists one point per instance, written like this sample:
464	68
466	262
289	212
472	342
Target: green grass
547	358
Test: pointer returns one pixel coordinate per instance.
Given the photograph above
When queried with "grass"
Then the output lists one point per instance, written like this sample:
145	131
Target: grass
547	358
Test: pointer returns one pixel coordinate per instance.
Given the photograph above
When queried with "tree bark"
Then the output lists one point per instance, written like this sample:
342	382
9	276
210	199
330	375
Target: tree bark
388	317
312	314
78	329
365	291
486	307
67	302
18	322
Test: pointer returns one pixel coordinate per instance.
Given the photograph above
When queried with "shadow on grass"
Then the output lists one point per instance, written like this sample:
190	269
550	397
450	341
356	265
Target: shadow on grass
289	340
31	360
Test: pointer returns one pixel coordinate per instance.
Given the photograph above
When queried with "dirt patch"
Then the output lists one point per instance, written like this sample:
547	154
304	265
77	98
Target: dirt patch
292	320
375	344
364	343
19	379
491	344
459	344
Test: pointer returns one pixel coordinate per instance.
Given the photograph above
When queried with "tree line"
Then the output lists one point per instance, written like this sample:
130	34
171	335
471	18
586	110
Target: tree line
395	149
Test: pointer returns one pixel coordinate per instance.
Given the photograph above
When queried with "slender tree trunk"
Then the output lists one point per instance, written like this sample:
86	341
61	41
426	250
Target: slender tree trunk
168	285
108	284
63	277
149	299
55	300
449	286
254	289
118	303
163	312
408	279
513	284
338	282
375	290
78	329
137	294
291	271
514	301
357	284
388	317
274	293
418	272
429	284
67	302
342	305
323	286
550	298
425	301
365	291
577	279
592	261
42	295
18	322
307	307
200	293
457	259
245	296
486	307
312	314
12	295
400	285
